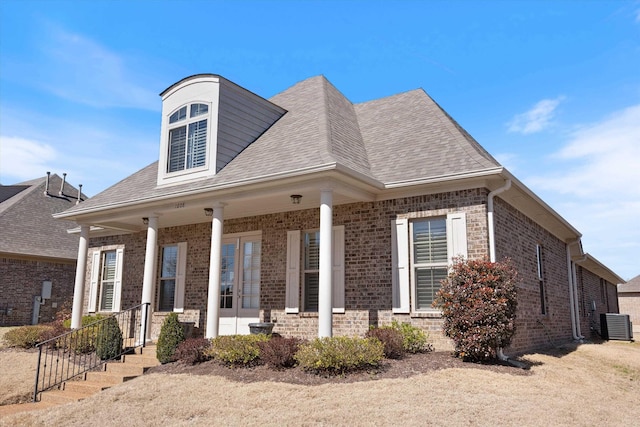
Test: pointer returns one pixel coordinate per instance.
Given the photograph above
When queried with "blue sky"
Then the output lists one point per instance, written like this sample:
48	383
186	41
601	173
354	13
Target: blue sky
550	88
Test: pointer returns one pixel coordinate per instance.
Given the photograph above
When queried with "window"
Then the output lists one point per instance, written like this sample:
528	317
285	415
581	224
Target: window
106	280
540	269
172	276
422	250
168	278
429	259
311	272
303	270
188	137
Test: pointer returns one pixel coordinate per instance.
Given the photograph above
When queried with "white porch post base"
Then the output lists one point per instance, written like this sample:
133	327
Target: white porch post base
81	267
150	257
215	270
325	294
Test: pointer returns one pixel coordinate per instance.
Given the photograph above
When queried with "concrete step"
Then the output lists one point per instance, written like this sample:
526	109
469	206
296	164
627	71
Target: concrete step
129	367
62	397
141	360
86	387
112	378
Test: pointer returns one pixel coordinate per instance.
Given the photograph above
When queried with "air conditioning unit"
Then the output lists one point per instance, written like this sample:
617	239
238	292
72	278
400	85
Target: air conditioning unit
616	327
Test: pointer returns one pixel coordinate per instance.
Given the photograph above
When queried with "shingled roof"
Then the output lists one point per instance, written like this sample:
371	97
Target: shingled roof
632	286
401	138
28	227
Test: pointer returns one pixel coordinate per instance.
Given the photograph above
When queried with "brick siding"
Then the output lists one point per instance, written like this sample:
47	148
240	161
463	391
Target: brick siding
21	281
368	267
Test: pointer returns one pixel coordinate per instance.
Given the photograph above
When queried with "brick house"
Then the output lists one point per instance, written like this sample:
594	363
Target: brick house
37	254
629	302
319	215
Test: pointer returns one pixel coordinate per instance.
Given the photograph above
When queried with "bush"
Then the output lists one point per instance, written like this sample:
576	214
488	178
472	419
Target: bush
171	335
192	351
478	303
278	352
28	336
109	339
237	350
86	320
391	339
339	355
414	339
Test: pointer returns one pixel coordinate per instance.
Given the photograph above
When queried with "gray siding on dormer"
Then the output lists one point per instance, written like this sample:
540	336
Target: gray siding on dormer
242	118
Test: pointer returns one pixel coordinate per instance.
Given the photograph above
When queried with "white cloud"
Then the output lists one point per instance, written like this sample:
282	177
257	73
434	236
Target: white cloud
596	186
537	118
24	159
82	70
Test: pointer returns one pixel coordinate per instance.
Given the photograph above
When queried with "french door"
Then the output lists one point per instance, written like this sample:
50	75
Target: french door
240	283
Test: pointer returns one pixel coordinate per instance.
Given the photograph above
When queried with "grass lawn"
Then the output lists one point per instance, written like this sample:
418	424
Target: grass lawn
591	384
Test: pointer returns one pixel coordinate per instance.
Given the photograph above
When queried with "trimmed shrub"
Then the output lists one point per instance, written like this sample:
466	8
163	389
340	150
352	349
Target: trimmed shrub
109	339
340	355
171	335
279	352
192	351
86	320
478	303
237	350
391	339
27	336
414	339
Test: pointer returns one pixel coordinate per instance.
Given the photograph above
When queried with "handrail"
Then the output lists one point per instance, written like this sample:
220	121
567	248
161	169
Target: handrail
75	352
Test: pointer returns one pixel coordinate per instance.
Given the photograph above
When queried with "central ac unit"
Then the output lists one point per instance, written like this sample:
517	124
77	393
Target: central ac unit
616	327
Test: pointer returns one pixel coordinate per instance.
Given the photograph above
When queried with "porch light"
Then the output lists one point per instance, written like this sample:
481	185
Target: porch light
295	199
208	211
145	220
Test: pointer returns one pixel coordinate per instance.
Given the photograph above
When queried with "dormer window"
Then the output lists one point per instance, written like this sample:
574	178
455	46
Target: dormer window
188	137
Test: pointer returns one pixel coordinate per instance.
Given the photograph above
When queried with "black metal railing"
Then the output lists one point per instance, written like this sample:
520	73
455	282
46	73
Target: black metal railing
89	347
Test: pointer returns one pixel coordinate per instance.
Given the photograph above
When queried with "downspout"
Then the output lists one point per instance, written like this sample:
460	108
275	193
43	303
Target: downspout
575	322
492	239
575	292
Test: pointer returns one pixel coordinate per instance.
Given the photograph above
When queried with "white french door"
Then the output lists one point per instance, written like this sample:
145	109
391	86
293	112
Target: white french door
240	283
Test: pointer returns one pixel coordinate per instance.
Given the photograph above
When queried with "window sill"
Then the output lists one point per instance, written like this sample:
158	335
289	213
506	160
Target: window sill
427	314
309	314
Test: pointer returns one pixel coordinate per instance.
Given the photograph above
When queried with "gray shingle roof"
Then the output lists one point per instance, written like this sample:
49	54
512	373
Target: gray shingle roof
401	137
27	226
632	285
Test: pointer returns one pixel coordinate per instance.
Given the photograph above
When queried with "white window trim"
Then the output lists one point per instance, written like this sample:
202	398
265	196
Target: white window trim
181	268
94	281
403	283
294	270
186	122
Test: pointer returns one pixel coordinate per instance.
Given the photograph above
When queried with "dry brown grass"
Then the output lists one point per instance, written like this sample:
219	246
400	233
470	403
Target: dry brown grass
597	384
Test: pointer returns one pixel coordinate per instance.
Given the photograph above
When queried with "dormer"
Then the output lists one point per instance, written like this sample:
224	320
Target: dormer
206	122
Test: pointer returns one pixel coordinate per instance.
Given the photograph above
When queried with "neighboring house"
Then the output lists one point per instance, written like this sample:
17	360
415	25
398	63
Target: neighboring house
321	216
37	254
629	301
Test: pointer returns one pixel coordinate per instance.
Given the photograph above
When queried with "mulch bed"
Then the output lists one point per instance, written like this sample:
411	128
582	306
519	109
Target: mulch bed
410	365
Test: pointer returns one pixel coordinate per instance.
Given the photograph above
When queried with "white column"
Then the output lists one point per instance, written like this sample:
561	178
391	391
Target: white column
215	270
325	296
150	260
81	268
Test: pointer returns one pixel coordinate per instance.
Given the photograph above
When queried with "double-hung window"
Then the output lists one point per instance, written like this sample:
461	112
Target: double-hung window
188	137
106	279
422	251
172	277
429	259
303	270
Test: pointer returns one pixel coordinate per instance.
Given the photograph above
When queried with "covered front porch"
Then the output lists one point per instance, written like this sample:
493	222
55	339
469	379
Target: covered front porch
230	230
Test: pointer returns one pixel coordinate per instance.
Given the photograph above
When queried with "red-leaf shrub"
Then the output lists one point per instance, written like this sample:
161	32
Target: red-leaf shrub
478	303
192	351
392	340
278	352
